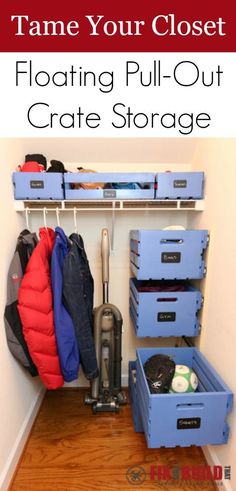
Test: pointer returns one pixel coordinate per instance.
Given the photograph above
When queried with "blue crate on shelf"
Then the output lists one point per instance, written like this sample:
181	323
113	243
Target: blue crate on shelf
179	185
168	254
164	313
197	418
110	186
138	427
38	185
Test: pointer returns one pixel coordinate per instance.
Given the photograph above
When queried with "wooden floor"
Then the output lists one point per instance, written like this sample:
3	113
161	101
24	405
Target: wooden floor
70	449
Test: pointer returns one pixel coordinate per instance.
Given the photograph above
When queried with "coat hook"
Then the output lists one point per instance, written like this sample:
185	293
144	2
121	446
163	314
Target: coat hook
44	217
27	218
58	217
75	220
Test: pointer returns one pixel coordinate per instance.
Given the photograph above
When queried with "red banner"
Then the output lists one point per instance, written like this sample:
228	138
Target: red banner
124	26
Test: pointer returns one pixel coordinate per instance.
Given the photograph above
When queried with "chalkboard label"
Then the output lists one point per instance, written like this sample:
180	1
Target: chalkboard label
180	183
171	257
166	316
109	193
188	423
37	184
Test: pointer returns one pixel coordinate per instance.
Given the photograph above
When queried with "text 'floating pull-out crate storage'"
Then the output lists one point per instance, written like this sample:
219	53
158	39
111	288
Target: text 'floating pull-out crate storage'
197	418
101	185
133	398
155	311
168	254
38	185
179	185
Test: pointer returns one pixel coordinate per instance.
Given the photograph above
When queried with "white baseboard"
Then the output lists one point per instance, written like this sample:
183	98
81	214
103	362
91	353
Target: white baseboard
83	382
15	454
212	459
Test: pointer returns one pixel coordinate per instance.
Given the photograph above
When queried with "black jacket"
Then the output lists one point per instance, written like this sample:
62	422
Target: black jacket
26	242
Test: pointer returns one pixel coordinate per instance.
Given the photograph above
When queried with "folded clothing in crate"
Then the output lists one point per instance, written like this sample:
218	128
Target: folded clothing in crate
100	185
161	286
164	308
196	418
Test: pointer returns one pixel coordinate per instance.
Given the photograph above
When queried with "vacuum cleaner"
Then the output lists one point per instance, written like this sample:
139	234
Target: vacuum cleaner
106	393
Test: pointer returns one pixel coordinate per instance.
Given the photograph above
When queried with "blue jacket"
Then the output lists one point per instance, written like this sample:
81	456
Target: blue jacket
64	328
78	299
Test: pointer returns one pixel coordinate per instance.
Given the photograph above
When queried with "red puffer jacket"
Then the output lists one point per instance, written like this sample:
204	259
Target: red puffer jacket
36	312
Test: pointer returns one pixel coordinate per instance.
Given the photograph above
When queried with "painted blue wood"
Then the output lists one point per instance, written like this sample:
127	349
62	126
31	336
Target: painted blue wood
164	314
179	185
138	427
38	185
141	178
168	254
197	418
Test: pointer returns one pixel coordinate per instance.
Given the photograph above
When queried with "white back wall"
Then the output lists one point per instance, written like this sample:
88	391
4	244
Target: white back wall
217	157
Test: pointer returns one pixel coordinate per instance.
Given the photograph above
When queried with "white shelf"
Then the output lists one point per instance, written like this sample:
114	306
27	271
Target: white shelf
109	205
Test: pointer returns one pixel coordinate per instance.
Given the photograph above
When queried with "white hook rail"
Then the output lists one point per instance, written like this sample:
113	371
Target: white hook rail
110	206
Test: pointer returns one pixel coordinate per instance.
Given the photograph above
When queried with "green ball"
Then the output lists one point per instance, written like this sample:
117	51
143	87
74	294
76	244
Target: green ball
184	380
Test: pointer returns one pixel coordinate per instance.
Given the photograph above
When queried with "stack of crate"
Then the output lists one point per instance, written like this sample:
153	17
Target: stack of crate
158	257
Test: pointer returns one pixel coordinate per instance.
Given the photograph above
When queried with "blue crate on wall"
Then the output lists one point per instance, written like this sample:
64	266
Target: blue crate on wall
179	185
197	418
109	185
138	427
164	313
168	254
38	185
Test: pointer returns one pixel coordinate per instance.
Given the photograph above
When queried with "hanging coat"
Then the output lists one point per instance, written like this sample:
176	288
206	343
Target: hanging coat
26	243
64	328
78	299
36	312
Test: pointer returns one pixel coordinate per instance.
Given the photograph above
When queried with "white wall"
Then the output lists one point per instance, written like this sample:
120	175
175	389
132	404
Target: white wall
19	392
218	339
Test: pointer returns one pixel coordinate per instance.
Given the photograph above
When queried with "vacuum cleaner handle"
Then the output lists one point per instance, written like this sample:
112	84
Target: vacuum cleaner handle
105	252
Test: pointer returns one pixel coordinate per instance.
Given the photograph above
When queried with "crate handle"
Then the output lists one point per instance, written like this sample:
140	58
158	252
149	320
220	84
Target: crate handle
171	241
190	405
167	299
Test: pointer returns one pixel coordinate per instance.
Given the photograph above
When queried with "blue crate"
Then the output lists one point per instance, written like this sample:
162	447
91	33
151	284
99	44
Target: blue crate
138	427
38	185
168	254
179	185
197	418
144	190
164	313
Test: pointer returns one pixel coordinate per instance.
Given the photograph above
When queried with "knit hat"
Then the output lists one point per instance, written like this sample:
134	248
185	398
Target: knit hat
57	166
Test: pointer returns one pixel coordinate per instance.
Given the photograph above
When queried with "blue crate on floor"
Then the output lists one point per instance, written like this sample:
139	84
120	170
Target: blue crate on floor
38	185
163	313
179	185
197	418
138	427
168	254
109	185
